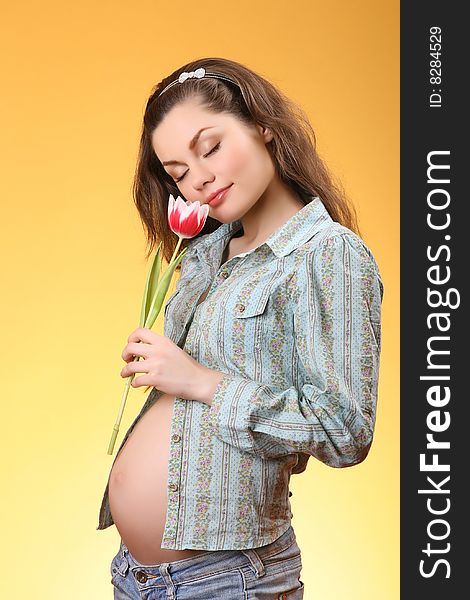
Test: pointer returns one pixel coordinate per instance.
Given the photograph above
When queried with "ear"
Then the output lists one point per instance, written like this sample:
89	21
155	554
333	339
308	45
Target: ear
265	133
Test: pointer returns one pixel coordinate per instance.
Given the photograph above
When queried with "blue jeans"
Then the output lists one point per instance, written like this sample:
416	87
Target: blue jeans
270	572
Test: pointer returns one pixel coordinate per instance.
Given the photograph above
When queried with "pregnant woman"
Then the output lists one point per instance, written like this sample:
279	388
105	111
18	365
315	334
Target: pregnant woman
271	344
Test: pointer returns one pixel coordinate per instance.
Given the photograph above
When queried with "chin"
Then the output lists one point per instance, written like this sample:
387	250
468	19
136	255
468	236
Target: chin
219	214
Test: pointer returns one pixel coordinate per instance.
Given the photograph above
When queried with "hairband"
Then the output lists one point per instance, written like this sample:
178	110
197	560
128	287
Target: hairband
199	74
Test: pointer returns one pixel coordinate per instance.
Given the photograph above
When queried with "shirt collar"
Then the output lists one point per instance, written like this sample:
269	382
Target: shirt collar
300	228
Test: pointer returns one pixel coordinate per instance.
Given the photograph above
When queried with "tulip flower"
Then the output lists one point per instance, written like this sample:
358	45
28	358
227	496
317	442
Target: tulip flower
186	220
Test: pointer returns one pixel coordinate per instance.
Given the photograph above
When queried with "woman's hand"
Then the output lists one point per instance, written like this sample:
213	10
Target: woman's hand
167	367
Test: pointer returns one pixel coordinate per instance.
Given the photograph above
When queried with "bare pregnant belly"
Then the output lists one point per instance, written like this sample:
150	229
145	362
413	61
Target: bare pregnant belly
138	487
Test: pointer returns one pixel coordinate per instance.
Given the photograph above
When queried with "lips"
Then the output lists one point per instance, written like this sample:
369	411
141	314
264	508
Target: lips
215	194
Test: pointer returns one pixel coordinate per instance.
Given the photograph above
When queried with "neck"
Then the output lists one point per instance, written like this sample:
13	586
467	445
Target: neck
276	206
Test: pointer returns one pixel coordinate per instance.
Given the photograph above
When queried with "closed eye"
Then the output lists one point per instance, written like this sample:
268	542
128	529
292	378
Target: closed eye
214	149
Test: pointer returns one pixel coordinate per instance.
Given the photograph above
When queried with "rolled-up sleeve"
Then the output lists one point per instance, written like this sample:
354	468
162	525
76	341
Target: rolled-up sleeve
337	331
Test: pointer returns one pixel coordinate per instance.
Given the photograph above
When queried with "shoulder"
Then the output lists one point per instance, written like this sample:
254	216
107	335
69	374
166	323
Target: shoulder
335	240
336	252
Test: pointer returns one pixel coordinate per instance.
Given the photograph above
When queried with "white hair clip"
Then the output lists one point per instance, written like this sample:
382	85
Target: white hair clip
198	74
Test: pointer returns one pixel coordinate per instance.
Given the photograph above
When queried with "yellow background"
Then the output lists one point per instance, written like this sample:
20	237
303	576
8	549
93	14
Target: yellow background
76	76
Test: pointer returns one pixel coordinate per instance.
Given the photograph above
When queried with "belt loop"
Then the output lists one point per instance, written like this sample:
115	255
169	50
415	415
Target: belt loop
164	572
124	564
255	561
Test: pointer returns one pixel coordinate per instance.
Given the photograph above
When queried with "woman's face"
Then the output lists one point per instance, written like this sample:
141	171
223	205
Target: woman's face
226	153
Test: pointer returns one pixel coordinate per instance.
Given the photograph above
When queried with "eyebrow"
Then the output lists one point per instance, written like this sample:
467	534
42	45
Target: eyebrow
192	143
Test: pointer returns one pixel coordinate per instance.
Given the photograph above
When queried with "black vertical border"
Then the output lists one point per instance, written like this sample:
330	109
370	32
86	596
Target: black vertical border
423	130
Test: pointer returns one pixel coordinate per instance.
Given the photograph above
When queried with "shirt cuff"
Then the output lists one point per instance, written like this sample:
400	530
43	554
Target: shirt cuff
230	410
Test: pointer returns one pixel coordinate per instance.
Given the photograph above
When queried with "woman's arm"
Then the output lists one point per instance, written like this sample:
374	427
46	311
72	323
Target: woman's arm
337	328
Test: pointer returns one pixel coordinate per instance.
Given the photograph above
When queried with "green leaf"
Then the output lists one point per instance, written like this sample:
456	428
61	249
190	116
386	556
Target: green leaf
151	285
161	291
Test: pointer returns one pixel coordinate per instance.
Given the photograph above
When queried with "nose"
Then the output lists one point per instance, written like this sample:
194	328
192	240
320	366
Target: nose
201	176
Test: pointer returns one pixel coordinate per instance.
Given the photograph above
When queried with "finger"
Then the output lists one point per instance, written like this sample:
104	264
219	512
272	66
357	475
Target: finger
142	334
139	366
142	380
135	349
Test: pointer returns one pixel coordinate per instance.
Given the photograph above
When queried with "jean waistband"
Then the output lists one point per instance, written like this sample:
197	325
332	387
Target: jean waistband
203	563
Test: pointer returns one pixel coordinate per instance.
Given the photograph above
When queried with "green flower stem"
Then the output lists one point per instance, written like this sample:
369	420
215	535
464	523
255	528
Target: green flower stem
175	253
153	309
121	410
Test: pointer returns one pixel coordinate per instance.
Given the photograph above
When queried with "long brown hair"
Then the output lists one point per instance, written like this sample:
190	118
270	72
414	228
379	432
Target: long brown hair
253	101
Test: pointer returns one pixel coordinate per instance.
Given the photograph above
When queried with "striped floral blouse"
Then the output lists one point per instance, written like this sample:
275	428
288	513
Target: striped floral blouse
295	326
